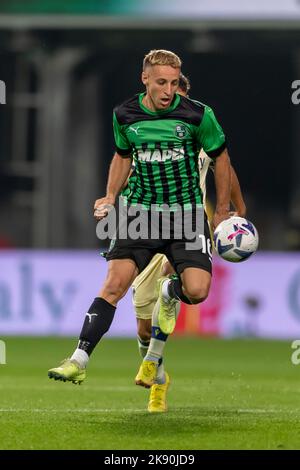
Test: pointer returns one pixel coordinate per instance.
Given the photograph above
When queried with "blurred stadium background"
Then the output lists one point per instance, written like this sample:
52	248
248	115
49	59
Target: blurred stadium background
65	65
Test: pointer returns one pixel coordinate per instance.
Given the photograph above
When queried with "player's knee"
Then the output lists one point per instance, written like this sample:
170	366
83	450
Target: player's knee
167	269
197	294
115	287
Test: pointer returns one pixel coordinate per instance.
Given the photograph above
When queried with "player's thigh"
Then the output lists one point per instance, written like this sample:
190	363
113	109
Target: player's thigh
120	275
139	250
184	254
144	312
144	285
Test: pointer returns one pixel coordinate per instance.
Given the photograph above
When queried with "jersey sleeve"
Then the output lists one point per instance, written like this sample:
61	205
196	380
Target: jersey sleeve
210	134
123	146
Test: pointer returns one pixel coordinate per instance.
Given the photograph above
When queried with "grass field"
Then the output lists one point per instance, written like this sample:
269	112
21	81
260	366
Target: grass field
237	394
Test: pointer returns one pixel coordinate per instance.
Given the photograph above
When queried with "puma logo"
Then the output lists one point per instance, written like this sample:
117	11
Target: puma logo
135	129
90	316
238	231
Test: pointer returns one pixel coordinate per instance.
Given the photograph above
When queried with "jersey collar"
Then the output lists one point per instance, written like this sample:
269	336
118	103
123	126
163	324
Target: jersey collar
174	104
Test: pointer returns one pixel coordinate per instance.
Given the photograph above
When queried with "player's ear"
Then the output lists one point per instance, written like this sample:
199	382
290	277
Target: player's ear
144	78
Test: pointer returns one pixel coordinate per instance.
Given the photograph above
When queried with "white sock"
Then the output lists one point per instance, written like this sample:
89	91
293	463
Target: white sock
157	342
160	376
165	290
81	357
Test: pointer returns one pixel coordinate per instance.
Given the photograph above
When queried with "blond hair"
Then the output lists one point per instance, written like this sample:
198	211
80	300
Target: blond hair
161	57
184	83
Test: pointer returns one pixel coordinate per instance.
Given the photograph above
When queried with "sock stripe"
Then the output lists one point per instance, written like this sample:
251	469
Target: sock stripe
158	334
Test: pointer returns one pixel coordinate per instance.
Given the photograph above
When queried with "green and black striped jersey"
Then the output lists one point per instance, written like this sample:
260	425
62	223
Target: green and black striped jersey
165	146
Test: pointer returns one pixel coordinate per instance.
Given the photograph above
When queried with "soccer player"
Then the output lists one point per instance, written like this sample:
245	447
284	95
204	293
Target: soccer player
163	132
144	289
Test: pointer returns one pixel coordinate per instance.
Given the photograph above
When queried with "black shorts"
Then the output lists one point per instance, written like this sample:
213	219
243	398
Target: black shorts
180	255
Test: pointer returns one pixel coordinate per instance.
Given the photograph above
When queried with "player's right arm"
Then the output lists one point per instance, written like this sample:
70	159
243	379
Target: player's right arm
118	172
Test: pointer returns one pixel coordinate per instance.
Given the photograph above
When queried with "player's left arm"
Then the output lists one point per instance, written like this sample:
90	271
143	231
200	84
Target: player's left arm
237	196
212	139
223	185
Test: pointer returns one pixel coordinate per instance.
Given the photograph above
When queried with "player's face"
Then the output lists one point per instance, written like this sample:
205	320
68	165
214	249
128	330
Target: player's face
161	83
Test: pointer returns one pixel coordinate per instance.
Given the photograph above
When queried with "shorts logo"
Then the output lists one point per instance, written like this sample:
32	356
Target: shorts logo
112	244
2	92
180	131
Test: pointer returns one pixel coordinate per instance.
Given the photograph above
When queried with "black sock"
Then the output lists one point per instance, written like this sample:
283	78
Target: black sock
97	322
175	291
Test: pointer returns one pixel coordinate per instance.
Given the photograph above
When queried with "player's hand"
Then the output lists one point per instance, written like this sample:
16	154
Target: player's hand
103	206
218	218
239	212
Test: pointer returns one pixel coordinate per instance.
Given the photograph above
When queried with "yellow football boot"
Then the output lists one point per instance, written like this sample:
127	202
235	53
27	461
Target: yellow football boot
68	370
157	401
146	374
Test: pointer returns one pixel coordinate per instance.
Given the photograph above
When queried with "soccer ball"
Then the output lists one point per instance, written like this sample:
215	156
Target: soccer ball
236	239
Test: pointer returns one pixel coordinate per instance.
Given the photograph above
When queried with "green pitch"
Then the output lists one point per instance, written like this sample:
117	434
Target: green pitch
237	394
